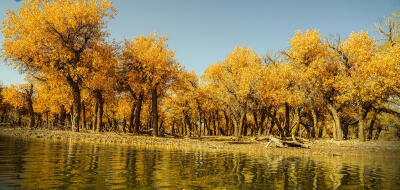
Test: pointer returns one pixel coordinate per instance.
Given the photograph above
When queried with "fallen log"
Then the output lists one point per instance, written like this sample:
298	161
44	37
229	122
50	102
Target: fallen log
277	142
285	143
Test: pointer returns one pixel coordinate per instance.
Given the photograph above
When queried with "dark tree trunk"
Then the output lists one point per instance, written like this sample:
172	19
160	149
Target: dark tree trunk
214	125
378	131
55	120
39	120
244	126
76	103
131	118
100	110
63	115
83	115
371	126
96	110
188	124
137	113
154	107
30	107
173	128
124	125
209	130
227	123
115	123
287	120
47	119
218	124
345	131
205	124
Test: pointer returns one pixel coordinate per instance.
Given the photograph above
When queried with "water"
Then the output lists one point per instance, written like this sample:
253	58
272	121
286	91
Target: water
36	164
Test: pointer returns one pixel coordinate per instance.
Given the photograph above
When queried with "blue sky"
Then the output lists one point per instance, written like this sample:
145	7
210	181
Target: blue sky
204	31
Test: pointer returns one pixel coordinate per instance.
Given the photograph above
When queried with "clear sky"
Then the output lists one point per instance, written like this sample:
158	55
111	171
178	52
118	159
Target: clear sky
204	31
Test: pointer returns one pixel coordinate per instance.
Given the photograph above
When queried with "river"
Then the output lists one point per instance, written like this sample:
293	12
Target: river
40	164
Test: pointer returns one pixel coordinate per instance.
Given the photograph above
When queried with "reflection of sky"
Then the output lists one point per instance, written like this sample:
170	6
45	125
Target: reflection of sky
203	32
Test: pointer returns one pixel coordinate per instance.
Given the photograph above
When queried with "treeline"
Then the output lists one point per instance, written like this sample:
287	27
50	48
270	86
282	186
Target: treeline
78	79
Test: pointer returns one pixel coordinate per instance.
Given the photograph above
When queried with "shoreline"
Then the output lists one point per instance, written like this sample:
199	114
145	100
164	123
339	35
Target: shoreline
248	145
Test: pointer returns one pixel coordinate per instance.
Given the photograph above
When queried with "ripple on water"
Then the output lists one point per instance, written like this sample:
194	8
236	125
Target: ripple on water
67	165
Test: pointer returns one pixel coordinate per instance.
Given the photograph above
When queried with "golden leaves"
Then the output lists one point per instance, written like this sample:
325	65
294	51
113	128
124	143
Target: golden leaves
16	95
151	59
45	35
358	47
306	47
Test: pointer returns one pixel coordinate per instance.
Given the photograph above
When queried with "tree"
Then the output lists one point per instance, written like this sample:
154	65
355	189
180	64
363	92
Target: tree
234	82
101	77
42	37
21	96
155	63
355	84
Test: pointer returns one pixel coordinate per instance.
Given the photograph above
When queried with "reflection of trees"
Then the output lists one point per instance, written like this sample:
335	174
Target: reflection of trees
79	166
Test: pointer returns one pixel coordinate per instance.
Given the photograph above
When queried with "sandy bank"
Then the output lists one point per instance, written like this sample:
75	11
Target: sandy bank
252	145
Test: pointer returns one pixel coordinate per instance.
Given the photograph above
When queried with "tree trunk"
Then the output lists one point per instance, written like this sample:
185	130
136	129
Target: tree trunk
287	120
345	131
262	120
63	115
200	122
205	124
371	126
244	126
100	110
83	115
315	124
124	125
137	113
188	124
76	104
239	125
338	129
218	123
39	120
236	128
154	107
55	121
31	113
214	124
47	119
96	110
173	128
132	118
378	131
115	123
227	123
361	124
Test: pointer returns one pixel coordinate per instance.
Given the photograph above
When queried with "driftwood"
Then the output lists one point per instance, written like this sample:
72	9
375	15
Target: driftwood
287	143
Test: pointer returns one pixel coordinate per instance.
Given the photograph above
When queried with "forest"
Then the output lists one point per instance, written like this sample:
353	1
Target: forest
78	79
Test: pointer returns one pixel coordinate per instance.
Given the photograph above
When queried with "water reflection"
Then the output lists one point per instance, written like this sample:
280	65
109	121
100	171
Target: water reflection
66	165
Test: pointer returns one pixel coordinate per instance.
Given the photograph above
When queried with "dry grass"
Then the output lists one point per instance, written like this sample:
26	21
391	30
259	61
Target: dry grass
249	145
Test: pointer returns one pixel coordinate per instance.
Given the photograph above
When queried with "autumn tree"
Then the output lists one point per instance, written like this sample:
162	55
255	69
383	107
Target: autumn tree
21	97
182	102
153	64
101	78
42	37
279	91
234	83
